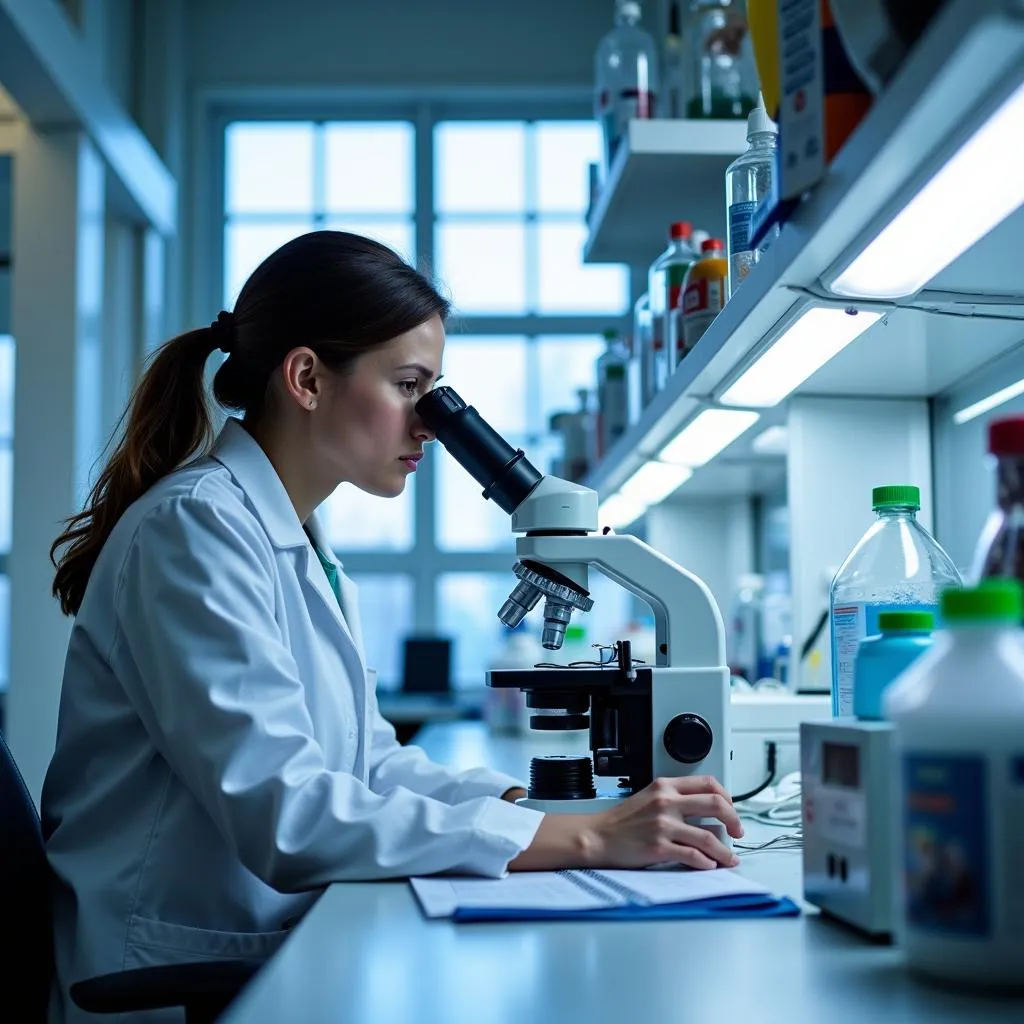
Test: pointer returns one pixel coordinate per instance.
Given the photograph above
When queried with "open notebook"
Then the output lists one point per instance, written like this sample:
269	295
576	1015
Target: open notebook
599	895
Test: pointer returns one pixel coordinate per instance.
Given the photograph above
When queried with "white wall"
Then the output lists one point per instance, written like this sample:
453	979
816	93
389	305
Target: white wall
713	538
393	43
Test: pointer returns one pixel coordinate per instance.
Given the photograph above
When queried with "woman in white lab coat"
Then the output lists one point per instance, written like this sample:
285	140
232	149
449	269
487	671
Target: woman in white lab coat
220	756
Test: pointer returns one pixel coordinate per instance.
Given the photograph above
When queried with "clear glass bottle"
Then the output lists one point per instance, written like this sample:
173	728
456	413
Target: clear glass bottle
664	287
717	31
1000	550
748	179
612	393
897	566
643	346
625	78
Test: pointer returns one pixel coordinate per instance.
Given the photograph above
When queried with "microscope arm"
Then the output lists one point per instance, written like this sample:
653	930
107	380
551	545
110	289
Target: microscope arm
688	625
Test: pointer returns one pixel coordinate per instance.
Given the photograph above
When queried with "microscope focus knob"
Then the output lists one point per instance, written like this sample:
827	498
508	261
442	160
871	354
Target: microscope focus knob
688	738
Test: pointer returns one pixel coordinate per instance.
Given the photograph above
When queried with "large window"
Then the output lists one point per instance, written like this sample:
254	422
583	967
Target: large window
501	231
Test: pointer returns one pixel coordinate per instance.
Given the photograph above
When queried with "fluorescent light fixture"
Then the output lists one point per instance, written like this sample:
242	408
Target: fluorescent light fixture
972	412
700	441
654	482
618	512
805	347
970	195
773	441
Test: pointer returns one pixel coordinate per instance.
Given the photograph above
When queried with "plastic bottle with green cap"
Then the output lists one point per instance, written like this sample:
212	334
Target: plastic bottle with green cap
958	720
902	638
897	566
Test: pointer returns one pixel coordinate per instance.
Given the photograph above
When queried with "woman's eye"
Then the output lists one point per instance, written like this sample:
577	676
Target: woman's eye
409	386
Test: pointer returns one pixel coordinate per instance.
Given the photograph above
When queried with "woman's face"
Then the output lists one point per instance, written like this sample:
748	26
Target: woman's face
366	424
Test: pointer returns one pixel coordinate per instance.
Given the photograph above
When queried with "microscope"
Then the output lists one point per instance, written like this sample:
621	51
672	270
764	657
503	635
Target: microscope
645	721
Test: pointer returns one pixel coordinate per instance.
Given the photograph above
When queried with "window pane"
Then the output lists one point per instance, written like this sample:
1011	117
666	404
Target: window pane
395	234
6	386
385	610
564	149
5	631
269	167
369	167
567	363
483	266
565	284
247	245
465	520
6	496
468	606
480	167
490	374
356	521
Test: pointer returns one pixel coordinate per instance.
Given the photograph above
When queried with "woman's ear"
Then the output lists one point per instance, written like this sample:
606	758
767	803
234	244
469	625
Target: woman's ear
301	371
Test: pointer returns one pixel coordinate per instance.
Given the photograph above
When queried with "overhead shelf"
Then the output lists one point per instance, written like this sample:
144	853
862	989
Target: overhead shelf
664	171
970	60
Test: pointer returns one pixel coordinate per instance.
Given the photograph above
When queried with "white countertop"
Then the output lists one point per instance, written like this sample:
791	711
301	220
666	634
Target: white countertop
365	954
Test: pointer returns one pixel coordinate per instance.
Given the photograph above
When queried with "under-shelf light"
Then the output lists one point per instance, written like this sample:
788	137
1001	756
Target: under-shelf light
653	482
973	411
973	192
712	431
820	333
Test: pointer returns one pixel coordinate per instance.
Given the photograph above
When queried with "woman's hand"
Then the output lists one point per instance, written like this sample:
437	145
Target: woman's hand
647	828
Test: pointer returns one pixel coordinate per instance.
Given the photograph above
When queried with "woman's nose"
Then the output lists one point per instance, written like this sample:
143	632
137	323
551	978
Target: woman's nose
422	432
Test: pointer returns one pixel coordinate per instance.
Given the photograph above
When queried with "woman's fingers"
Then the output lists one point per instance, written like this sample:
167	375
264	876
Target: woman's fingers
713	805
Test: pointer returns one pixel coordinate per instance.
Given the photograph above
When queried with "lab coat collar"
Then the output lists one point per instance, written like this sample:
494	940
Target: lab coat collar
238	451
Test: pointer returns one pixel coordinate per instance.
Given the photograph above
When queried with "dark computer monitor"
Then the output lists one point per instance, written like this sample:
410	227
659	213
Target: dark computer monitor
427	664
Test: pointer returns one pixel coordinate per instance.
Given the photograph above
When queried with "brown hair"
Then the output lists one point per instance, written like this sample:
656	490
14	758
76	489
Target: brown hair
337	293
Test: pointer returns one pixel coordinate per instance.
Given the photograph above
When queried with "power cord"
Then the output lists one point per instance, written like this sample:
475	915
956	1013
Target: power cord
772	750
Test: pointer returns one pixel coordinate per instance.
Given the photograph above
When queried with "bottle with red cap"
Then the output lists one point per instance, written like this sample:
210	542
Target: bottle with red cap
665	285
1000	549
704	291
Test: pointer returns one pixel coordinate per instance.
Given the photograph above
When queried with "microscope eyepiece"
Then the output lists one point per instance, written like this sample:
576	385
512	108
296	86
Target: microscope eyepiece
505	473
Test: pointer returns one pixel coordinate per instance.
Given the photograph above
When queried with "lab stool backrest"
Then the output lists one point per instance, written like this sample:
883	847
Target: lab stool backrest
27	960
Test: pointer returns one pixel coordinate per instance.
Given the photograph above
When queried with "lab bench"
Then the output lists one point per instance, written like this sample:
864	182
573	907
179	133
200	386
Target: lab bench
365	954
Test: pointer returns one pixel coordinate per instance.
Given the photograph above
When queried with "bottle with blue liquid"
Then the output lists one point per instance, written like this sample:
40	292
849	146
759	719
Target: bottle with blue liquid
897	566
902	638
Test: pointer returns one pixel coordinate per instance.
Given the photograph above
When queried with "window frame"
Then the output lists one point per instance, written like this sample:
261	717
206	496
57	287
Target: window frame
425	562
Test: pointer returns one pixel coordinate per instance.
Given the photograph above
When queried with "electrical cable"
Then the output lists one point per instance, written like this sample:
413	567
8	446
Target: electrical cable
767	782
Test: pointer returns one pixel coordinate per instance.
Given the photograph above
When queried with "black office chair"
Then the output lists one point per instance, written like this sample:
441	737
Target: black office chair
203	990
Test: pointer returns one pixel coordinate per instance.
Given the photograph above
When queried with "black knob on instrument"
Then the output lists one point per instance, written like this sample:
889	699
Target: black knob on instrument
688	738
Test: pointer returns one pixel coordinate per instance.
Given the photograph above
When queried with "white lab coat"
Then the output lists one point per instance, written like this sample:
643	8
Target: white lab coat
220	755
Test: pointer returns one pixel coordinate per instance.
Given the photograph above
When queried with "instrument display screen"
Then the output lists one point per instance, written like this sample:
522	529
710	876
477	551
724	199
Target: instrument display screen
840	765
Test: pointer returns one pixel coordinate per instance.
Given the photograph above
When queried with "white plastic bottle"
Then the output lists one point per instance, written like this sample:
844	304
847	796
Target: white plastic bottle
625	78
664	287
748	179
612	393
958	718
896	566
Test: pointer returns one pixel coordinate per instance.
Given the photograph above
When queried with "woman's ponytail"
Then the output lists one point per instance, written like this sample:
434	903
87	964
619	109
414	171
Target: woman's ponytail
167	422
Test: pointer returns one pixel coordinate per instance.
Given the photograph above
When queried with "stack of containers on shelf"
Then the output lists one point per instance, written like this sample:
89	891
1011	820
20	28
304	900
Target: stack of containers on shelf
664	287
625	79
896	566
703	292
613	393
957	715
748	179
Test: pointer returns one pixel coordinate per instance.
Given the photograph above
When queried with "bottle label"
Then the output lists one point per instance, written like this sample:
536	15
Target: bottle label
946	844
740	215
851	622
676	276
703	296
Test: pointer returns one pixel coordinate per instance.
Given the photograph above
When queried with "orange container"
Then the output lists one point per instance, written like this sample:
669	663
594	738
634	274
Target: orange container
704	290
